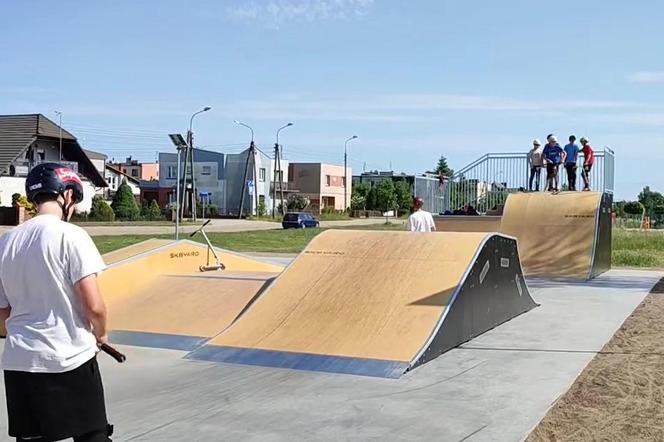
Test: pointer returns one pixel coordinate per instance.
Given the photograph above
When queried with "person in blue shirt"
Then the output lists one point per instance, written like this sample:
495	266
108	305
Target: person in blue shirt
554	155
571	158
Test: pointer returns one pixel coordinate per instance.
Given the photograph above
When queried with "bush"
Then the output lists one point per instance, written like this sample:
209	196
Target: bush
100	210
124	204
211	210
151	211
297	202
262	210
19	200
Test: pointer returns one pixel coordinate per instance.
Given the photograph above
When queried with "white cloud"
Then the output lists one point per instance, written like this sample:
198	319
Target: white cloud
649	77
274	13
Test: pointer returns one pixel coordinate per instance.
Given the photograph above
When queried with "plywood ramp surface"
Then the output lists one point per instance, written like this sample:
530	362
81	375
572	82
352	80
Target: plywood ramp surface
459	223
125	278
555	233
356	294
134	249
198	305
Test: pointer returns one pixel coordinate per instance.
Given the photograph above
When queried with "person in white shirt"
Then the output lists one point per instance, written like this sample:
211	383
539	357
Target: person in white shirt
54	315
420	220
536	161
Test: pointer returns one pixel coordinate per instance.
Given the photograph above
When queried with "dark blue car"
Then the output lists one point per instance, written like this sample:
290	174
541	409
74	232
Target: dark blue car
299	220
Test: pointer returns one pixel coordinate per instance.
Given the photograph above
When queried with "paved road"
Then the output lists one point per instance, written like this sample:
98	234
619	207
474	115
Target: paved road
217	225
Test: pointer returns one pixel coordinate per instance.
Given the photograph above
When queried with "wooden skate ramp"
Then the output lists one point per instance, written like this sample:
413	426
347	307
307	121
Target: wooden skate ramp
559	235
159	298
377	303
134	250
461	223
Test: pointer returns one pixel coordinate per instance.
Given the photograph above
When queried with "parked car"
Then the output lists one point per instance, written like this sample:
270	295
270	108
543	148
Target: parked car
299	220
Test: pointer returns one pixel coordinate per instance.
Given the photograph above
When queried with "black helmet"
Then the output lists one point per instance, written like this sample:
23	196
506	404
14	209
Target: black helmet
54	179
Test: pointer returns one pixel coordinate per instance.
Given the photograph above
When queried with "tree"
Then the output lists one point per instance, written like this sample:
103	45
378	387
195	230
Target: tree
442	168
296	202
124	204
633	208
361	189
372	199
386	198
100	210
404	194
650	200
358	202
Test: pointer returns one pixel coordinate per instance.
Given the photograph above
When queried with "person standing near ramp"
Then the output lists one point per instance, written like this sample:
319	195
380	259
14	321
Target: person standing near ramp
571	158
55	317
554	155
588	161
420	220
535	161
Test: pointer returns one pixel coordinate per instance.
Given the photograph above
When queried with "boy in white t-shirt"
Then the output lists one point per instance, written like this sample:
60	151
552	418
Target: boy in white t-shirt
55	317
420	220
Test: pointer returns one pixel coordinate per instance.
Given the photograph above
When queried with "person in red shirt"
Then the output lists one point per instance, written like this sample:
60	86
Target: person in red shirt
588	161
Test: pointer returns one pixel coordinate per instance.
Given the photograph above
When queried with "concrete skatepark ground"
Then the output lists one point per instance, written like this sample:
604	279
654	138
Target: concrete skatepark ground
495	387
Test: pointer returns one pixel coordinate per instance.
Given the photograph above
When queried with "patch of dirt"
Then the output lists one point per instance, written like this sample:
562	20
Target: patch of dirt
620	394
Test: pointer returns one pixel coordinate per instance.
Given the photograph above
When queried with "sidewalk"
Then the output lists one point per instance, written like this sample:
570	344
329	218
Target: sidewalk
216	225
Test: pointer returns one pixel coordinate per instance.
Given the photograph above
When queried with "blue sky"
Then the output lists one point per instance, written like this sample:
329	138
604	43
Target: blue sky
413	79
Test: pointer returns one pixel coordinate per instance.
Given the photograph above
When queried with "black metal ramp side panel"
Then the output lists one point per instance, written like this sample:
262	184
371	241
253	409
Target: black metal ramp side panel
493	292
602	255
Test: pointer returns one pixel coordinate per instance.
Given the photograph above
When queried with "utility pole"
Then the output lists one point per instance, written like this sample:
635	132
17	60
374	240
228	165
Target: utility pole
346	171
189	156
277	160
59	114
250	157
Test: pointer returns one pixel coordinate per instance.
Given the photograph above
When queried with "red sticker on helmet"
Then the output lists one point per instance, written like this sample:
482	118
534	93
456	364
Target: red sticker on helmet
67	175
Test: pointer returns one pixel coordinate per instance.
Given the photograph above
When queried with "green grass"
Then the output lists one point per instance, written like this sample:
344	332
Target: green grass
633	248
270	241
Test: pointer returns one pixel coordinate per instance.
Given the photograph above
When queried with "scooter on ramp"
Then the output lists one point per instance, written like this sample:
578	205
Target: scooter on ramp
208	267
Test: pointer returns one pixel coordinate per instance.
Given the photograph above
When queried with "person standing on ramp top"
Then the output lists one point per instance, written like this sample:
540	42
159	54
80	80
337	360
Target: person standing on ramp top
554	155
571	158
420	220
55	317
588	161
535	161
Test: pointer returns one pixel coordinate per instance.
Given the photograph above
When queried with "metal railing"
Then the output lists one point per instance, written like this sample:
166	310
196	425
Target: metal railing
486	182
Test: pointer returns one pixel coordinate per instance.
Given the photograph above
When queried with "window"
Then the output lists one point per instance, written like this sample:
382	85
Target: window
207	170
134	173
328	180
172	172
343	181
261	174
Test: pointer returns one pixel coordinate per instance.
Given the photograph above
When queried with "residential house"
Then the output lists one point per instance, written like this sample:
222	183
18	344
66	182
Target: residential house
426	186
220	177
138	170
323	184
115	178
27	140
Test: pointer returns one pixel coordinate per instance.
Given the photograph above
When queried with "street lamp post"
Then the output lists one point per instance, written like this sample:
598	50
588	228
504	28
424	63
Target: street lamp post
190	158
346	171
277	160
59	114
250	157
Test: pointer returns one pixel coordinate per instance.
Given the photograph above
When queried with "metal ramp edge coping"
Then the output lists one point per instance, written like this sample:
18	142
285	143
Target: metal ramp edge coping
341	364
178	242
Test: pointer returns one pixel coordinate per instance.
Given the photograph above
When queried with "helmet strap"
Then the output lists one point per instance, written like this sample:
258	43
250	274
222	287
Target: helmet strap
65	208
